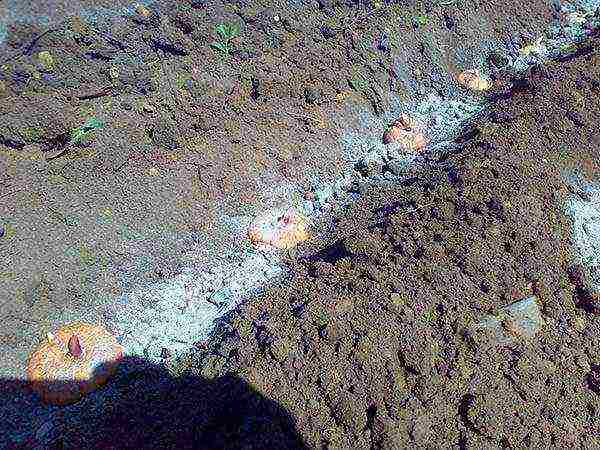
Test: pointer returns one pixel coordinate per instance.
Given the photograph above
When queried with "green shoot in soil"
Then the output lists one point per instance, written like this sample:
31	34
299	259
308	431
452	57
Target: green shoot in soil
182	81
31	134
227	32
359	84
421	20
80	134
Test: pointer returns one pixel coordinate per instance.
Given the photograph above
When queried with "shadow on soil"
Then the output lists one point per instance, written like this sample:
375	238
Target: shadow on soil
147	408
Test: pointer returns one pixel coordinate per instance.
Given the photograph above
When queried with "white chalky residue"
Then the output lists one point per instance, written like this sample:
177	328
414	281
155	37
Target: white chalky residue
584	211
182	310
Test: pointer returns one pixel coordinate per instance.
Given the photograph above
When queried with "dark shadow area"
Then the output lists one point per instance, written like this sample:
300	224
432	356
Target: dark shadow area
330	254
144	407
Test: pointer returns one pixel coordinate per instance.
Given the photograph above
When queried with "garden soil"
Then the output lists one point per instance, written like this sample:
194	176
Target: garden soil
192	139
367	342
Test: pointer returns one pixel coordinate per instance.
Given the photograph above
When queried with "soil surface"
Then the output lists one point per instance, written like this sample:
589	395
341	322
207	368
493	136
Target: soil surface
370	344
448	310
194	143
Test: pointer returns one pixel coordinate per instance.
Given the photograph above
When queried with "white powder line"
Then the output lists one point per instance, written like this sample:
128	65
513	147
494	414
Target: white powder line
175	323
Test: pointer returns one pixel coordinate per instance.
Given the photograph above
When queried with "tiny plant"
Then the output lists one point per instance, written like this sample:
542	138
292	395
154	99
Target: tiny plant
227	32
183	81
80	134
430	315
31	134
420	20
359	84
568	48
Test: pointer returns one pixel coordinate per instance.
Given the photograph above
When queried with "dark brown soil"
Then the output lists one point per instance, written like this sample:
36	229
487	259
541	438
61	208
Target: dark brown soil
369	342
368	346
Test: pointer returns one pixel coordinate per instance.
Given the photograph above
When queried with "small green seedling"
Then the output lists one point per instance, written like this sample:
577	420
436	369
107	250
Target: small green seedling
568	48
80	134
359	84
421	20
227	32
182	81
31	134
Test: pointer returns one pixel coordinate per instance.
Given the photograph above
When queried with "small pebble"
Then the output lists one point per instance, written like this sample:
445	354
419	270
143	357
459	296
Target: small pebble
310	95
449	21
384	43
328	32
